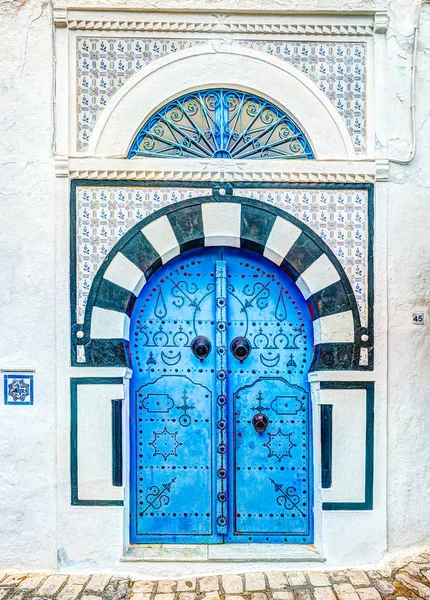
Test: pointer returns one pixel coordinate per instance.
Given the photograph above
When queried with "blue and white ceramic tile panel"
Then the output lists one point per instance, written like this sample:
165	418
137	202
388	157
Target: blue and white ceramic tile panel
340	218
18	389
104	215
105	64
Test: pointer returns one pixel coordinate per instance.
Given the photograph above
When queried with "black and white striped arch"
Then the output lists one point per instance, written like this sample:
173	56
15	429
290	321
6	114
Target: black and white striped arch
222	221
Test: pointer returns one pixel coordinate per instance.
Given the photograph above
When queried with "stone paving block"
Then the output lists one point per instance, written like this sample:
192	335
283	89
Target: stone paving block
3	592
31	582
78	579
324	593
369	593
419	588
137	596
385	587
338	576
277	580
283	595
70	592
372	574
187	595
166	586
385	571
345	591
97	583
426	556
296	579
303	594
232	584
186	585
209	584
426	573
85	597
144	587
210	596
318	579
358	578
12	580
232	597
258	596
412	568
164	597
52	585
17	596
255	582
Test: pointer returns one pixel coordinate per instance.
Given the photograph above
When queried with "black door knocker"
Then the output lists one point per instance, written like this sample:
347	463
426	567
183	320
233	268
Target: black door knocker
260	423
240	348
201	347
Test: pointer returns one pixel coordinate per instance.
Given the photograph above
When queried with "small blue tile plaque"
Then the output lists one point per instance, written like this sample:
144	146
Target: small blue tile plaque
18	389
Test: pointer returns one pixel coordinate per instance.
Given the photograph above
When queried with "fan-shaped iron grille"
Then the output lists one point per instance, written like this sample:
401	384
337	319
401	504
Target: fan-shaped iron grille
221	123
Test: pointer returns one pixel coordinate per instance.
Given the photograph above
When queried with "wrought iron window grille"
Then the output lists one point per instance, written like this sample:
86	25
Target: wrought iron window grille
221	123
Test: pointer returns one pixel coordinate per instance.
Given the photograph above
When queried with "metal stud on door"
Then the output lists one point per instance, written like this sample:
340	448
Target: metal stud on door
220	444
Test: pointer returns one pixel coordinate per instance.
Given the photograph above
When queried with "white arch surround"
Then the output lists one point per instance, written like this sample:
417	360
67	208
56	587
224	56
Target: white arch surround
216	65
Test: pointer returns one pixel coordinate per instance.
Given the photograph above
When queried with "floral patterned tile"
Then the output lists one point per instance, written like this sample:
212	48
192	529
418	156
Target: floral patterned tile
340	218
105	64
105	214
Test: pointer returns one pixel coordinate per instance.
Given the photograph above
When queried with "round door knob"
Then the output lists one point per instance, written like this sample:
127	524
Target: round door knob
260	423
240	348
201	347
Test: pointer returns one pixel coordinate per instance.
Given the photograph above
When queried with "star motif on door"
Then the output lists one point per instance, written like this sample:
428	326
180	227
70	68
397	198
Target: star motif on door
280	445
165	443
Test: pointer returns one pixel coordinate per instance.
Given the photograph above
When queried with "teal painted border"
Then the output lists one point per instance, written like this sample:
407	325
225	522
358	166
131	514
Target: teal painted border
369	386
117	443
228	187
74	383
326	445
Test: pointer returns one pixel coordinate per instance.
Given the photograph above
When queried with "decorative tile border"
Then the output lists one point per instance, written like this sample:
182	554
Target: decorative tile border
340	218
105	64
104	215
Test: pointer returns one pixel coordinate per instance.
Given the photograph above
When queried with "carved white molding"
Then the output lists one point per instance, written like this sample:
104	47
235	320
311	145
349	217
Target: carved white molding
381	22
61	166
60	16
222	176
183	26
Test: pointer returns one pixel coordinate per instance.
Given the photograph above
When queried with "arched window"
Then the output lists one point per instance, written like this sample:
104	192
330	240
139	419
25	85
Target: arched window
221	123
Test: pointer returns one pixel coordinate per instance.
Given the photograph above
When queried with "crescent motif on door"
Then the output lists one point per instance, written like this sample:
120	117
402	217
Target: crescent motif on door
170	360
270	362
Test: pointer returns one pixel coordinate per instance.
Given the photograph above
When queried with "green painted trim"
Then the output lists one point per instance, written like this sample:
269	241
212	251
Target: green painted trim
74	382
369	386
117	443
326	445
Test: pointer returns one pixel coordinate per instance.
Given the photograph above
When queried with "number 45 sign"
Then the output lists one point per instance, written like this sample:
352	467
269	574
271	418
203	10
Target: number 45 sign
418	318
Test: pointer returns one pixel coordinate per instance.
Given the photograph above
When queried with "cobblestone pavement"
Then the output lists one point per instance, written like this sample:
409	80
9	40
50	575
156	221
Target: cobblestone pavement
399	580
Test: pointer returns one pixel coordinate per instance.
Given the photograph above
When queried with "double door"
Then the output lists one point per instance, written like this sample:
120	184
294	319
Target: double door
221	343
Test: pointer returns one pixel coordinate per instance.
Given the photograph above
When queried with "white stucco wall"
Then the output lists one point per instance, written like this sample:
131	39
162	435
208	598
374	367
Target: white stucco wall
34	317
27	283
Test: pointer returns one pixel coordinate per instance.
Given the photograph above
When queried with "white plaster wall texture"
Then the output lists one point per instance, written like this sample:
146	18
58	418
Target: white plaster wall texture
27	283
27	305
408	286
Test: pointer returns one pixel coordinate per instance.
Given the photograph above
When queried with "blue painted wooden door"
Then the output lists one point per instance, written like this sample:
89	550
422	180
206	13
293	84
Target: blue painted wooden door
221	343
